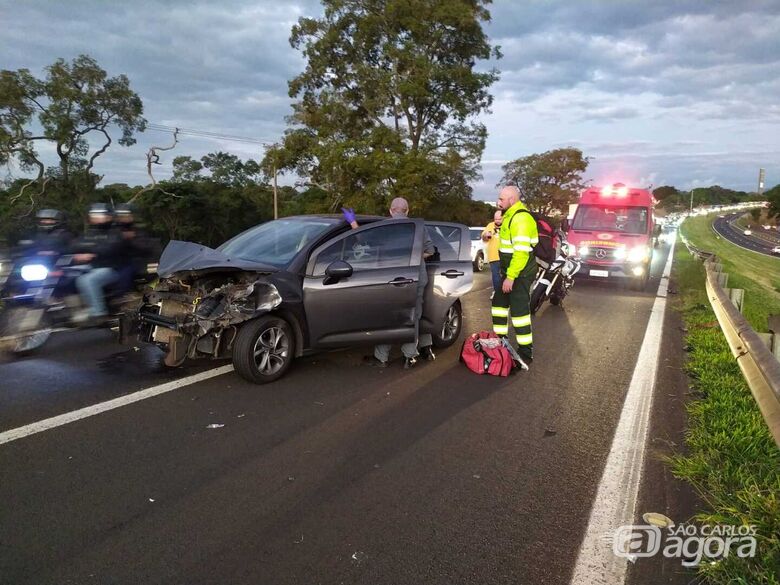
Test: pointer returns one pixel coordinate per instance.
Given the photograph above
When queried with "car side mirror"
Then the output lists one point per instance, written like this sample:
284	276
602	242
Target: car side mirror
337	270
565	224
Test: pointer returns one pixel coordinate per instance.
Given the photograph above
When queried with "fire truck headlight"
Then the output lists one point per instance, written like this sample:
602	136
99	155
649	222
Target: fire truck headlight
638	270
584	251
638	254
620	253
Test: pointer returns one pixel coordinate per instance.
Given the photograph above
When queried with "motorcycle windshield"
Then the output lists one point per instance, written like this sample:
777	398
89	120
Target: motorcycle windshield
181	256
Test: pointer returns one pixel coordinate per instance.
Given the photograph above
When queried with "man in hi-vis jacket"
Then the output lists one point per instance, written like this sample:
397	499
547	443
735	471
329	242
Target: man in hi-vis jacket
518	235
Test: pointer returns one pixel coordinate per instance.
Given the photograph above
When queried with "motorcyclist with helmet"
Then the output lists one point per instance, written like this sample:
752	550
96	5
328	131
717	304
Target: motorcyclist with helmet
139	248
105	249
52	237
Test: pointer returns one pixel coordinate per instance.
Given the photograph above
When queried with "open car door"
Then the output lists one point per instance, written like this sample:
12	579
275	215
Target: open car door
450	276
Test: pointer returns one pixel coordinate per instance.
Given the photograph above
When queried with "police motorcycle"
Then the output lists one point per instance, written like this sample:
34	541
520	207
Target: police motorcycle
554	279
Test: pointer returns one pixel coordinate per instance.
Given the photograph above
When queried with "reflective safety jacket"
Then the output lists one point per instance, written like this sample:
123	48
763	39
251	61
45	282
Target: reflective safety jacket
518	235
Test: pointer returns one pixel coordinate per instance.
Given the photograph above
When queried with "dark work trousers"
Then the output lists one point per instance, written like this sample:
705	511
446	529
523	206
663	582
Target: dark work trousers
517	305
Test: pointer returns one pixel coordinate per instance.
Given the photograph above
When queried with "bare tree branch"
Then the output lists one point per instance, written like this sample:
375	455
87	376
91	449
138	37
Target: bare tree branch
152	158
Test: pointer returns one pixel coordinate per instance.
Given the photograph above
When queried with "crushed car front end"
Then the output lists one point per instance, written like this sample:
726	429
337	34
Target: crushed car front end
197	315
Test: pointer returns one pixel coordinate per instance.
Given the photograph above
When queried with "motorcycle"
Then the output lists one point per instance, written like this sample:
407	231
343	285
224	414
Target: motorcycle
554	280
40	296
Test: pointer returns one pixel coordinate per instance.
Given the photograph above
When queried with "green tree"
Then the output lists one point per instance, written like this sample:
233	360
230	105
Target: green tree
664	192
228	169
550	181
773	196
74	102
186	169
387	101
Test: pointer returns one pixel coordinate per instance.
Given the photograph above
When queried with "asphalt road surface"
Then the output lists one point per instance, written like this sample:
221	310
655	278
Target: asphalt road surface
757	241
338	473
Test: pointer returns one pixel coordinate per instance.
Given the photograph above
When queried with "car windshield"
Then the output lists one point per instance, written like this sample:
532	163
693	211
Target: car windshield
276	242
610	218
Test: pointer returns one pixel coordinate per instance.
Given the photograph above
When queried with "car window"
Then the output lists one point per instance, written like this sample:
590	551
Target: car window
446	239
275	242
385	246
630	220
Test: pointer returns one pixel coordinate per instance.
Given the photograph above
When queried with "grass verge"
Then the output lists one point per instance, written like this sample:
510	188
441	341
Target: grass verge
732	461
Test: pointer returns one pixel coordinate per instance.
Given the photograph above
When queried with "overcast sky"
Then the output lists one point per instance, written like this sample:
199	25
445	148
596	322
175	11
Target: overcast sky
680	92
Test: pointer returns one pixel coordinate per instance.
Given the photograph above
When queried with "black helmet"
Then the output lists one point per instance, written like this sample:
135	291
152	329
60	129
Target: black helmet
101	210
49	219
124	213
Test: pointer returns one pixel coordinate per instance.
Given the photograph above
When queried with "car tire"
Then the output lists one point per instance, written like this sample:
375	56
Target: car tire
479	262
264	349
640	284
451	328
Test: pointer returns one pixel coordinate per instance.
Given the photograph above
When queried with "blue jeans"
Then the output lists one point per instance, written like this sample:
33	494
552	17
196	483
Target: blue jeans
91	287
495	269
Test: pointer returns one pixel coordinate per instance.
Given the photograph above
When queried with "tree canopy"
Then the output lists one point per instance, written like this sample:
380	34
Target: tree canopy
73	102
550	181
387	101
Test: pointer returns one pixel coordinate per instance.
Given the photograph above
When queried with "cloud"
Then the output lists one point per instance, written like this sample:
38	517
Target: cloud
672	90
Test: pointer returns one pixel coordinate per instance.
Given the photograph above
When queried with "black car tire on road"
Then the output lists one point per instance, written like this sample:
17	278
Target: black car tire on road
264	349
479	263
451	328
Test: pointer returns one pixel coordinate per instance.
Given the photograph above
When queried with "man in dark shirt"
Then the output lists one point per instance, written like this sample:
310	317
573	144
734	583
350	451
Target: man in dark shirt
104	248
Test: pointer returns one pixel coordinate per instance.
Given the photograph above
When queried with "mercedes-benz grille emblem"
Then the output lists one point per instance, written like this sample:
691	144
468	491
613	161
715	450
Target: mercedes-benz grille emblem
601	253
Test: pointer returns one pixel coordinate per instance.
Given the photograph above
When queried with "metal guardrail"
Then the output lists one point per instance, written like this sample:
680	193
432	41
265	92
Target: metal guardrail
759	367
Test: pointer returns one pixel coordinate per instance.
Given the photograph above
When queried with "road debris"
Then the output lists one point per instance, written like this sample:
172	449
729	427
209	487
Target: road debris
215	426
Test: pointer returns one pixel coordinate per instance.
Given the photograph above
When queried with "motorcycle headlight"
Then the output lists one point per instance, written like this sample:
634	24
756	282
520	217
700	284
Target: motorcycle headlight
34	272
638	254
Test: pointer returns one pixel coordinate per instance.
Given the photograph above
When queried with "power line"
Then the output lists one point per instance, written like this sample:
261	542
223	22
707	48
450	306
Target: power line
208	135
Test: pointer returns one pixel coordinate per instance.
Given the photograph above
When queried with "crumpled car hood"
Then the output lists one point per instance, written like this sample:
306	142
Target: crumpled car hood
181	256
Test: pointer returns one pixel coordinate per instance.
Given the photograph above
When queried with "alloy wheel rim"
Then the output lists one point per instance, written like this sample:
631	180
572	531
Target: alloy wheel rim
451	324
271	351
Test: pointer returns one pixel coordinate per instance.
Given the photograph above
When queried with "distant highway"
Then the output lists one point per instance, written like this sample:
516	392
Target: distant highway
724	228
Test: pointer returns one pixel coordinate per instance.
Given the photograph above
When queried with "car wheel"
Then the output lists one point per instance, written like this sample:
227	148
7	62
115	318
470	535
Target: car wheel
451	328
479	263
639	284
264	349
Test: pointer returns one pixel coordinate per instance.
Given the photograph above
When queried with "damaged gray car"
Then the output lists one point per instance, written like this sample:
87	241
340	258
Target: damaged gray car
297	285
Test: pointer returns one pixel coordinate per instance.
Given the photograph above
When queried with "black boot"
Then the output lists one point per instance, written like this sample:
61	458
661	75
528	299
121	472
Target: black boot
427	354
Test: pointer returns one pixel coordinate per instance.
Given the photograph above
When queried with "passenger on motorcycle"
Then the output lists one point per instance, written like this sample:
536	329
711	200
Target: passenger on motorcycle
104	248
139	248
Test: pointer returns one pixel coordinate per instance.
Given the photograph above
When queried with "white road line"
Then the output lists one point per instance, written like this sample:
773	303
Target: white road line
69	417
615	501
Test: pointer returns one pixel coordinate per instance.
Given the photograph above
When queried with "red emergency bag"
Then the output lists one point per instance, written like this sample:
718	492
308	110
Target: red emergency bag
484	353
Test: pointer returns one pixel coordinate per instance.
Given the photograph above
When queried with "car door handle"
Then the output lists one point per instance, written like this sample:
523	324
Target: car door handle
400	281
453	273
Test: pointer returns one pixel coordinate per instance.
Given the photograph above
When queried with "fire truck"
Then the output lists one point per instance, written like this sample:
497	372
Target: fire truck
613	231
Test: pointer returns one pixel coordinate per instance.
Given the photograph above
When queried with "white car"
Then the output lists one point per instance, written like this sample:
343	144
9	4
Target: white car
747	232
478	248
776	250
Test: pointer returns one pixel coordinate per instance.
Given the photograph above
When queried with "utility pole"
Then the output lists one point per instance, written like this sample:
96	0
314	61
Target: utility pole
690	212
276	197
761	177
